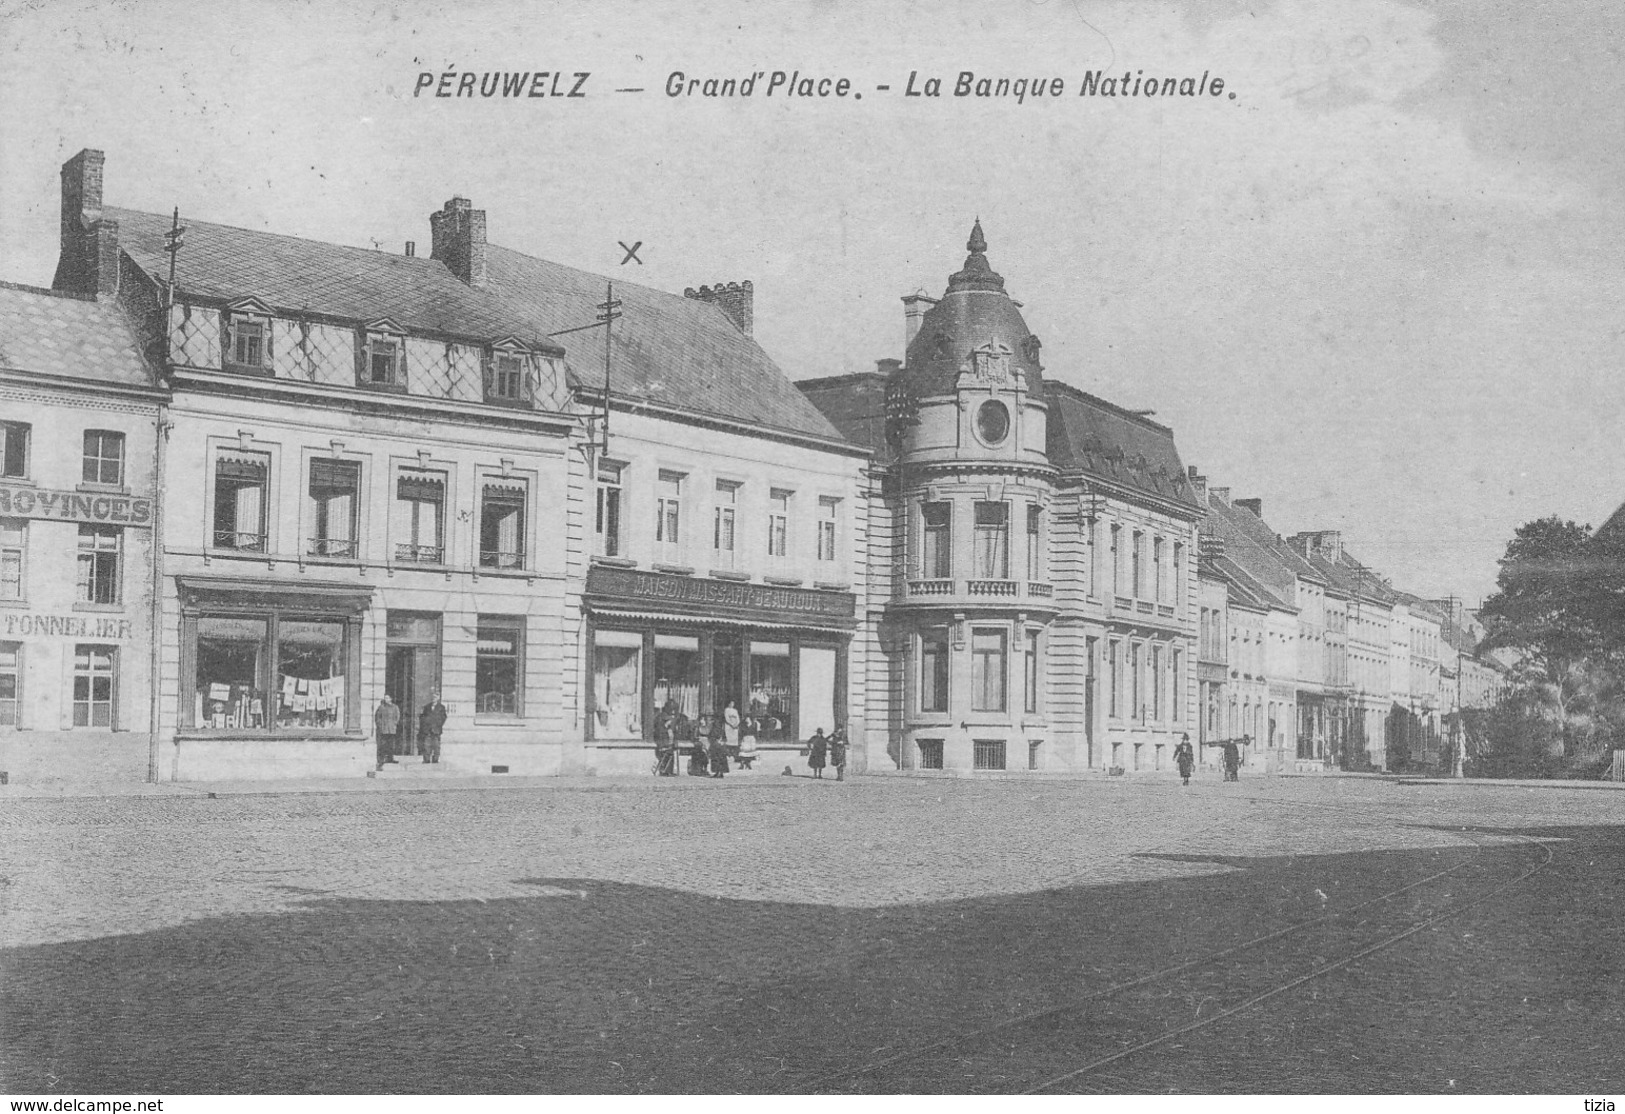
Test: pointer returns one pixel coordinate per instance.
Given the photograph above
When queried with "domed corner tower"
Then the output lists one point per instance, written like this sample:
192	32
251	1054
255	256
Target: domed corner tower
968	624
973	371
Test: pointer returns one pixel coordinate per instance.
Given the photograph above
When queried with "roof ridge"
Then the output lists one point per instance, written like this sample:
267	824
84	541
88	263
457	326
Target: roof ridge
368	252
67	295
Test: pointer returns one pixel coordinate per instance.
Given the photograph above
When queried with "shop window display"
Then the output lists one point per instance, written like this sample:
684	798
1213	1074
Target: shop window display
617	677
677	673
230	688
310	674
770	690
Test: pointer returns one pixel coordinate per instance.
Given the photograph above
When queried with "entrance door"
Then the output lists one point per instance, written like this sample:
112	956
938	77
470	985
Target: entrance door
400	681
727	672
411	670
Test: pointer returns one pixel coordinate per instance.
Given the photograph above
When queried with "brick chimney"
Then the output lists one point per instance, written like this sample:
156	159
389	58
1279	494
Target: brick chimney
915	307
1326	544
89	255
457	239
1254	505
736	299
1198	481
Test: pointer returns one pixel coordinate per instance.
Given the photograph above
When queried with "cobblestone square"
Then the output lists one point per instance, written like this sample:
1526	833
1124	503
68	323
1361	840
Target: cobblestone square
779	934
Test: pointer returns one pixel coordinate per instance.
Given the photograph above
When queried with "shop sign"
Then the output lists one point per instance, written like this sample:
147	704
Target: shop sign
64	626
723	598
74	506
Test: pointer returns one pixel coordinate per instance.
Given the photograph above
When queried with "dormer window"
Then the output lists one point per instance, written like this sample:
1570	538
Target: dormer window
247	336
248	343
507	372
381	359
507	378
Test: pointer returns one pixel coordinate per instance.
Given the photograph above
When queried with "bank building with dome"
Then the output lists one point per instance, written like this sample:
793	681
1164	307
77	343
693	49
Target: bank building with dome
1032	589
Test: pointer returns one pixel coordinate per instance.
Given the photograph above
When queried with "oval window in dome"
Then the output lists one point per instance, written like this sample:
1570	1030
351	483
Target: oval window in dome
993	422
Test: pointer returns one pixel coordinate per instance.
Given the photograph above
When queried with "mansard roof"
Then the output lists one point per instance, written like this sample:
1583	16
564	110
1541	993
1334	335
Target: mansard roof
666	350
1105	442
75	336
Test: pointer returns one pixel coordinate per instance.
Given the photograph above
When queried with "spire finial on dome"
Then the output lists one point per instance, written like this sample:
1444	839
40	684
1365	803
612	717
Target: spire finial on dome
977	242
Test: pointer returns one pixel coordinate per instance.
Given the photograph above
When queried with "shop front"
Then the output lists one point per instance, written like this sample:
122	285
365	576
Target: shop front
763	663
270	676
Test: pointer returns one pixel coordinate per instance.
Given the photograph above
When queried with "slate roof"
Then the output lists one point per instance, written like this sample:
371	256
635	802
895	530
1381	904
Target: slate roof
1107	442
1252	546
1353	579
855	405
48	332
1086	433
1244	589
666	349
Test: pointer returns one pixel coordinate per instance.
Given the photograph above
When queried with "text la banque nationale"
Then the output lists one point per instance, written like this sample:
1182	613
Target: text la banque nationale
794	84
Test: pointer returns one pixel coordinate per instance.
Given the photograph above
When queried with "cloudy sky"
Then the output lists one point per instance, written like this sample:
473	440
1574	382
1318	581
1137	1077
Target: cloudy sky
1380	287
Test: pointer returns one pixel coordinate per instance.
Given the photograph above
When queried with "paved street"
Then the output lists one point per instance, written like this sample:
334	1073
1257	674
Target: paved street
771	933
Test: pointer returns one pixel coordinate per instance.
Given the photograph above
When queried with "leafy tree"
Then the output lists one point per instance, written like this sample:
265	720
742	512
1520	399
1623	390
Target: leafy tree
1546	608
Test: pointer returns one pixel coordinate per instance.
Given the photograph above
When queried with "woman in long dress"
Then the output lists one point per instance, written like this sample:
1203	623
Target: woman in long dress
817	747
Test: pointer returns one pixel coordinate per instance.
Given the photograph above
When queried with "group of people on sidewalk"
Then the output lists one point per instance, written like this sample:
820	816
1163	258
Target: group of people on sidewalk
717	741
386	722
1185	759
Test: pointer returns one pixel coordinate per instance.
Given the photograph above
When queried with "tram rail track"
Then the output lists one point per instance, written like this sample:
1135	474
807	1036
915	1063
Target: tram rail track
1037	1052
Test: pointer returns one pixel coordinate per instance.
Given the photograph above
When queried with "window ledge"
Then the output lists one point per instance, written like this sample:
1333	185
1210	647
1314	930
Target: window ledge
259	371
675	570
730	574
19	604
102	489
105	608
833	586
383	388
614	562
492	719
782	581
510	574
313	559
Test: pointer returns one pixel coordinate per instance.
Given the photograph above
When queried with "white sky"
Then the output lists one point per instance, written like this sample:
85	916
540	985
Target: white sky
1381	288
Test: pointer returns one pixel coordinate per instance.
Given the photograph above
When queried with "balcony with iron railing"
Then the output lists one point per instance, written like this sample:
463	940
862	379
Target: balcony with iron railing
240	540
341	548
420	554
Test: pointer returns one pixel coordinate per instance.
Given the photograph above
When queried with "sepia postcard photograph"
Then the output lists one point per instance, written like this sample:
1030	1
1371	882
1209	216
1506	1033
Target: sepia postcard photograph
814	548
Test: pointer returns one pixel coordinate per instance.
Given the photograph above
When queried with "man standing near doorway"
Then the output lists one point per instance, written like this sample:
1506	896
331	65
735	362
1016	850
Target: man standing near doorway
430	724
386	722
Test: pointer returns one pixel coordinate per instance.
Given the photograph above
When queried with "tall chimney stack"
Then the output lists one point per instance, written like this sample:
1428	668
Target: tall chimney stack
736	299
915	307
88	257
457	239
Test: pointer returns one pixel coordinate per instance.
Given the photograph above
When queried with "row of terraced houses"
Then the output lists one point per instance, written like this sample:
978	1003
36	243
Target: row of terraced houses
253	483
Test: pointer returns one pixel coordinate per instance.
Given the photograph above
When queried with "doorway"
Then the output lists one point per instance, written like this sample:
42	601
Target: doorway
411	670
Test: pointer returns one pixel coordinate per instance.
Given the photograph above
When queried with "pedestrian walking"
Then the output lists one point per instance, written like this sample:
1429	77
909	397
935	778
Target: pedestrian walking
666	741
817	748
386	722
1232	761
431	722
837	753
1185	758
